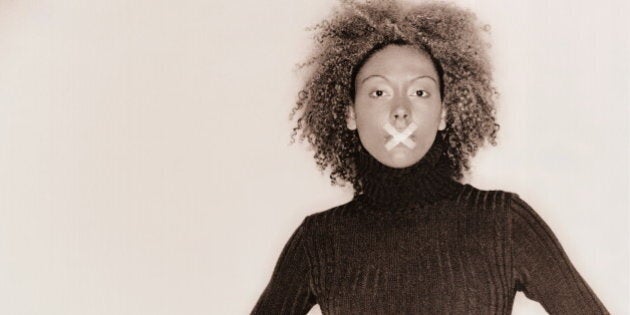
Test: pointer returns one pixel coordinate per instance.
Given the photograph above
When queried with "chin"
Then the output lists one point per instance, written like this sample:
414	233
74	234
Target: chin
401	160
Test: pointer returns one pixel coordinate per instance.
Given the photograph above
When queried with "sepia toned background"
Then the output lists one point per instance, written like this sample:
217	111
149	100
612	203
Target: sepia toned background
145	165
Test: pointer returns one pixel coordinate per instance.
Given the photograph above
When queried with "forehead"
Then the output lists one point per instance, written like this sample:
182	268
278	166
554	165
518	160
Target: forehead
397	60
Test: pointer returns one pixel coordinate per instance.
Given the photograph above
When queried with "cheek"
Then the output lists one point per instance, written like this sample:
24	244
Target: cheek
371	117
370	129
370	132
427	115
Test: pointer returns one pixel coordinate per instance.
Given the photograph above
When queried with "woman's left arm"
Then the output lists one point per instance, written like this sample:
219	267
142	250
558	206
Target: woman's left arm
542	269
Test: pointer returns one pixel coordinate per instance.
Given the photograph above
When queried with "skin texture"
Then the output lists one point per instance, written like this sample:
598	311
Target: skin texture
397	85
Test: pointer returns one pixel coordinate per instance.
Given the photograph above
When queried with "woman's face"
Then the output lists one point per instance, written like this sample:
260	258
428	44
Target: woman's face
397	108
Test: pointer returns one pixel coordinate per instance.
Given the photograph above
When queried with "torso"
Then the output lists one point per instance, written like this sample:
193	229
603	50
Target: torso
451	257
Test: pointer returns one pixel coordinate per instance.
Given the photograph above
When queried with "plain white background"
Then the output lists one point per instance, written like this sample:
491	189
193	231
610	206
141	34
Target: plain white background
145	165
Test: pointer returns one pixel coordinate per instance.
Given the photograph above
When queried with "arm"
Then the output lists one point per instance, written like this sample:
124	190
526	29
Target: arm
541	268
289	291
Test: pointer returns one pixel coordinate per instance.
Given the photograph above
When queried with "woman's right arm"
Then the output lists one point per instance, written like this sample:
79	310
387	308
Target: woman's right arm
289	290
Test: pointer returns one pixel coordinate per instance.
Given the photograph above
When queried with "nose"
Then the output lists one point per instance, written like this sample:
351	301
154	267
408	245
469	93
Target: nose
400	115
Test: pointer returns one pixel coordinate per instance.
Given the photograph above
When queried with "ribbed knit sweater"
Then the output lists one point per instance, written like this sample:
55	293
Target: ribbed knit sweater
417	242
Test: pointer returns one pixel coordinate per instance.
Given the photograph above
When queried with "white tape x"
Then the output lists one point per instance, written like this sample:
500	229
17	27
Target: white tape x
400	137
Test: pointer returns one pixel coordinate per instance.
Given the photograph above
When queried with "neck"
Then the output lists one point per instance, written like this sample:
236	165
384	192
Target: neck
427	181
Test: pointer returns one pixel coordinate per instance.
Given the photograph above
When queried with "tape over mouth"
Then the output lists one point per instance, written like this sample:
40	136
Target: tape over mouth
400	137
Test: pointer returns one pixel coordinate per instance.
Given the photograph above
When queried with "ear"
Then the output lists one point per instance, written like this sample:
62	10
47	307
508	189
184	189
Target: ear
442	124
351	118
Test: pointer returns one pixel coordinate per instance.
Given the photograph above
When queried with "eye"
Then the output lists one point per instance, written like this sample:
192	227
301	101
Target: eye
422	93
377	93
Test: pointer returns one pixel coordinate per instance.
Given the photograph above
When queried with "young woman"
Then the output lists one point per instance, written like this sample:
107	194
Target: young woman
398	100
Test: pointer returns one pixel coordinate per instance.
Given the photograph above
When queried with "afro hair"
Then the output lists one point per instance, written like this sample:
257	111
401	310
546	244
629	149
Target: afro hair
344	41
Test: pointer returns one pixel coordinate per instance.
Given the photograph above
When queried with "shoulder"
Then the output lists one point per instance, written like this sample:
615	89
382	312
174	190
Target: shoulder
501	205
522	214
502	211
332	214
480	198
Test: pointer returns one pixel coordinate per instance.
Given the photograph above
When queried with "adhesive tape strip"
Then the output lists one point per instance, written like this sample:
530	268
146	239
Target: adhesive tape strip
400	137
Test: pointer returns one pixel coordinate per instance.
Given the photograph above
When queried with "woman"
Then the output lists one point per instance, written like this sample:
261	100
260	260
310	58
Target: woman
399	99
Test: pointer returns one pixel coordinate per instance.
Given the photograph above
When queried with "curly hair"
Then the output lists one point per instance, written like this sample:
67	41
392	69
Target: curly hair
450	35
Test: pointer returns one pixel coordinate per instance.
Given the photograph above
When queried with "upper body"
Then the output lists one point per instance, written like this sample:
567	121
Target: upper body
399	100
417	242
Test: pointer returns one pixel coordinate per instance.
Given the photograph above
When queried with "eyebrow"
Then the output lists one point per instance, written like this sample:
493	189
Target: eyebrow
427	77
414	79
374	76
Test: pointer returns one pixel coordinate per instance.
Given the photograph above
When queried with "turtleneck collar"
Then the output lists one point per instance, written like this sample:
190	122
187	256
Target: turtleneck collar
427	181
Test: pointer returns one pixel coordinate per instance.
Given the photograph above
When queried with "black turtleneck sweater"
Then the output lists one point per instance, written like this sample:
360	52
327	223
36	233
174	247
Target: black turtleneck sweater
417	242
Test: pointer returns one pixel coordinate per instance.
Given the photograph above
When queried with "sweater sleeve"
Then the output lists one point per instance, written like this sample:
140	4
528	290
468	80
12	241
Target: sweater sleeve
289	290
541	268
